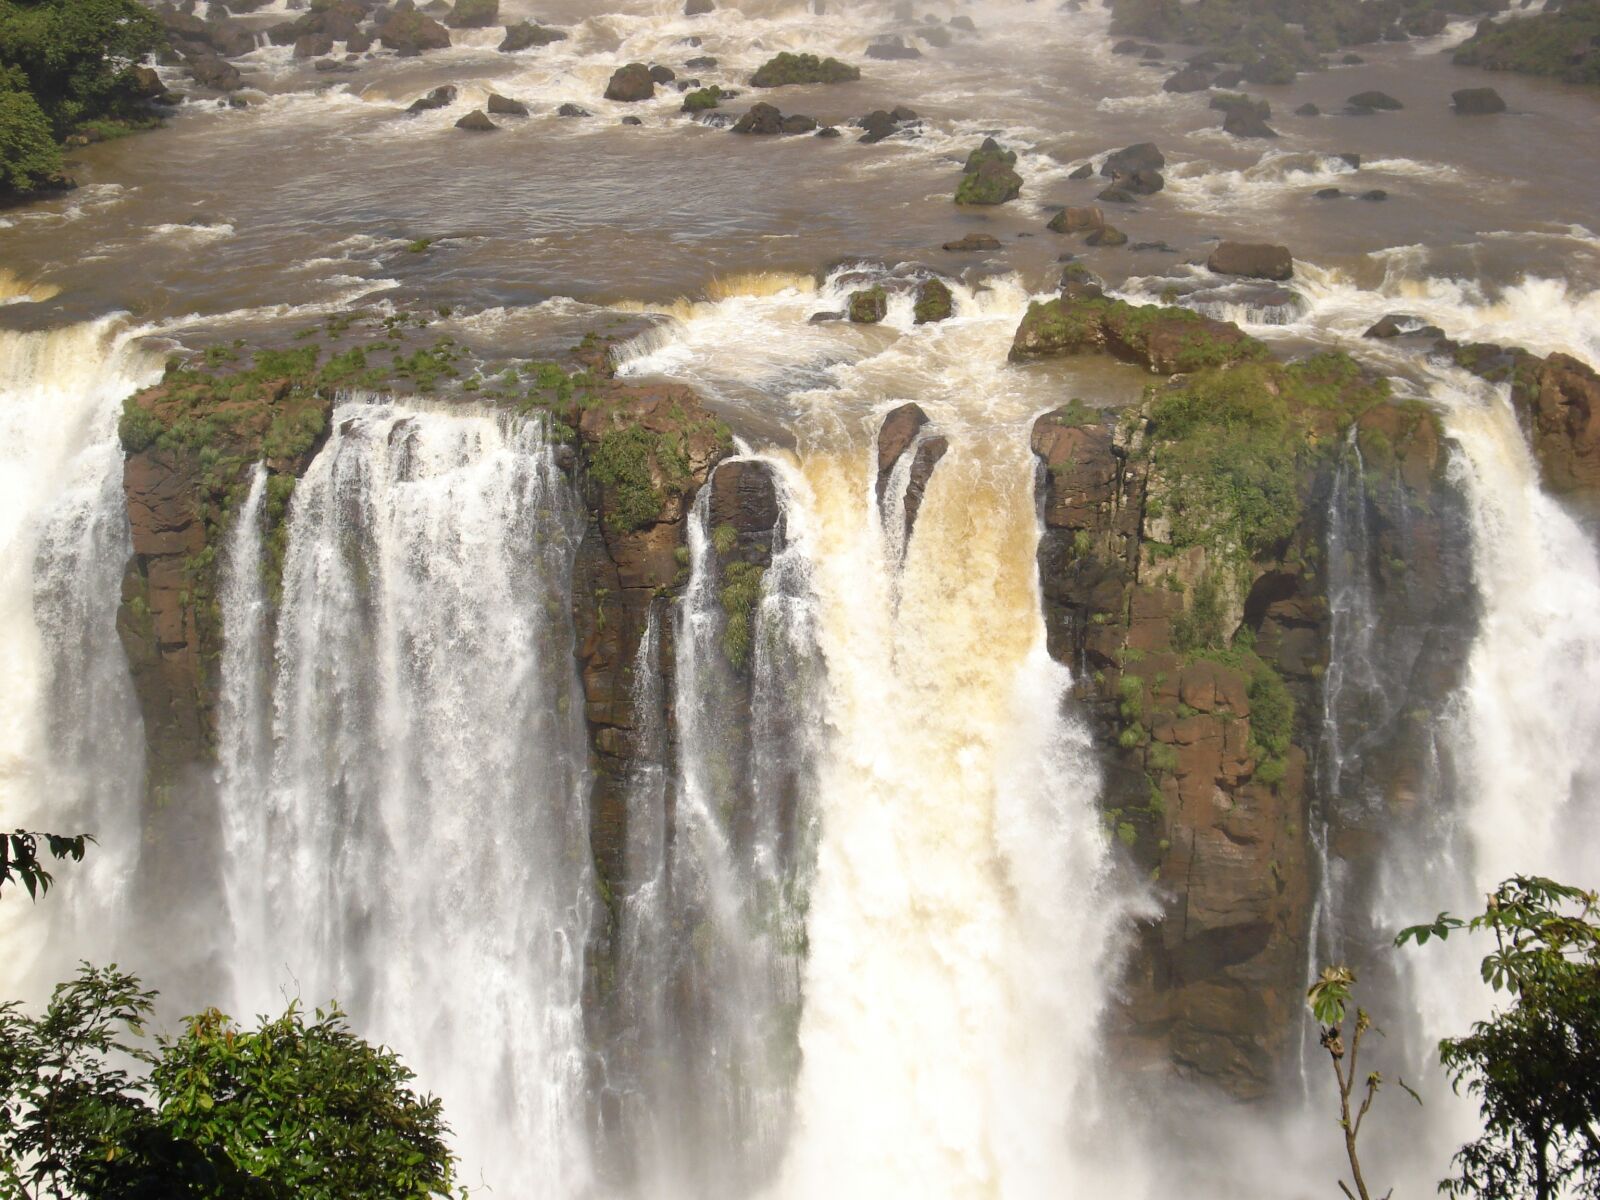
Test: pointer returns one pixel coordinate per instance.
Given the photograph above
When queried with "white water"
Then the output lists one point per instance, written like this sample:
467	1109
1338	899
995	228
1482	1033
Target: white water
70	751
417	848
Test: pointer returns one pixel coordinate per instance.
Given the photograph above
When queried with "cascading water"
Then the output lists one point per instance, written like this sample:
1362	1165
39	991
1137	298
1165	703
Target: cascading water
70	752
417	845
719	862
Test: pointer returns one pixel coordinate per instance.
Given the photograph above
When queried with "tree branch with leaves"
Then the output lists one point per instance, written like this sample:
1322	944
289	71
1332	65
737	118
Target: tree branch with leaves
20	861
1330	1000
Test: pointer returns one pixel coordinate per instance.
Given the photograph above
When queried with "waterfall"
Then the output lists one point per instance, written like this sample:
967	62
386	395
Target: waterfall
417	846
719	857
70	748
962	911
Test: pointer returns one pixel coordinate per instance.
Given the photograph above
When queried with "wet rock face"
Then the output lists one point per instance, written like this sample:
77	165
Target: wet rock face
1205	752
896	437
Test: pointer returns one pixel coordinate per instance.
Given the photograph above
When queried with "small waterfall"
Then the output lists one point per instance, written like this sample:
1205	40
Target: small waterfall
417	846
243	726
719	859
70	749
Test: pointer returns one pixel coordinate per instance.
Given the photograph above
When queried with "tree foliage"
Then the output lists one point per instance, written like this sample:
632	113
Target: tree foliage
1532	1065
63	62
296	1108
19	852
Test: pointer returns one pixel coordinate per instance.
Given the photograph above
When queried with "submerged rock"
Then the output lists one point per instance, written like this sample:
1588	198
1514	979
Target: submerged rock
441	97
1375	102
974	241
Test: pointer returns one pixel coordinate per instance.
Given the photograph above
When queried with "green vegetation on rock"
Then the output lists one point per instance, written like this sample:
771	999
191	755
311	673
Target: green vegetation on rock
703	99
869	305
630	461
784	69
741	590
1559	44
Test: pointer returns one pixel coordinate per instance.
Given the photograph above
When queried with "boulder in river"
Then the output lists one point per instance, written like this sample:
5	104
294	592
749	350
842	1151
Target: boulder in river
441	97
409	34
784	69
1244	123
974	241
1142	156
474	14
1479	101
1308	110
1106	235
1076	220
869	305
933	302
570	109
214	72
1375	102
892	47
526	35
477	121
1190	79
631	84
698	8
1253	260
504	106
988	176
1085	171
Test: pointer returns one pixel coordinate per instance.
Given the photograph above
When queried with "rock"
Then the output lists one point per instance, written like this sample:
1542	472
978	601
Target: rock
526	35
572	110
1165	340
1076	220
1116	194
703	62
933	302
698	8
703	100
660	74
1142	182
1156	247
1253	260
1471	102
895	435
1375	101
146	84
1127	46
441	97
1242	123
630	84
891	48
477	121
798	124
762	118
824	318
502	106
409	34
1080	283
1106	235
1086	171
1190	79
1143	156
1327	193
785	69
828	131
1393	325
964	24
630	121
936	37
1308	110
1352	60
989	151
474	14
973	241
1228	80
878	125
1375	195
993	182
1226	102
211	71
1349	158
869	305
1561	404
332	65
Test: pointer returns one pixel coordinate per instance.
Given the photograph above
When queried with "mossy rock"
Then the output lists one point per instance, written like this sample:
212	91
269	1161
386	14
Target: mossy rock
989	151
702	100
785	69
992	183
1165	339
869	305
934	302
